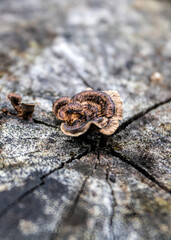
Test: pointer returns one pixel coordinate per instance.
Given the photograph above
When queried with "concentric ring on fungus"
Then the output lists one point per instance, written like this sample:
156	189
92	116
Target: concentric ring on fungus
103	109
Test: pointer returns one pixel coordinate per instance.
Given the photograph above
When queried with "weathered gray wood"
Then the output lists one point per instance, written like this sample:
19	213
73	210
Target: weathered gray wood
92	187
151	140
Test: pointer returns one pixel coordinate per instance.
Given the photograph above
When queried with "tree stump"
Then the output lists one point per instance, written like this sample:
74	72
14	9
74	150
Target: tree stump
92	187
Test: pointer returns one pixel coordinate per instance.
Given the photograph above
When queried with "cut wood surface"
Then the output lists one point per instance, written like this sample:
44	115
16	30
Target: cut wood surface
92	187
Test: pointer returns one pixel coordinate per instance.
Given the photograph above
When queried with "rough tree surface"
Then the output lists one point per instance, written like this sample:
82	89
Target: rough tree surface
91	187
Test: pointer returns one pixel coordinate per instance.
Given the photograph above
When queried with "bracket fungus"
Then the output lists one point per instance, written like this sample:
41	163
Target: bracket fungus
103	109
24	110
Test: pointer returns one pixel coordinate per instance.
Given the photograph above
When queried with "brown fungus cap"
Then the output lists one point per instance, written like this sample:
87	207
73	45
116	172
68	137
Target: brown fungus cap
24	110
103	109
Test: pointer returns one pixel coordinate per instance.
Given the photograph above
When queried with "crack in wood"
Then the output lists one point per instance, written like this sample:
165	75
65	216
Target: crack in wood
103	141
139	169
56	232
113	202
140	114
44	123
76	71
11	205
42	182
84	80
73	207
